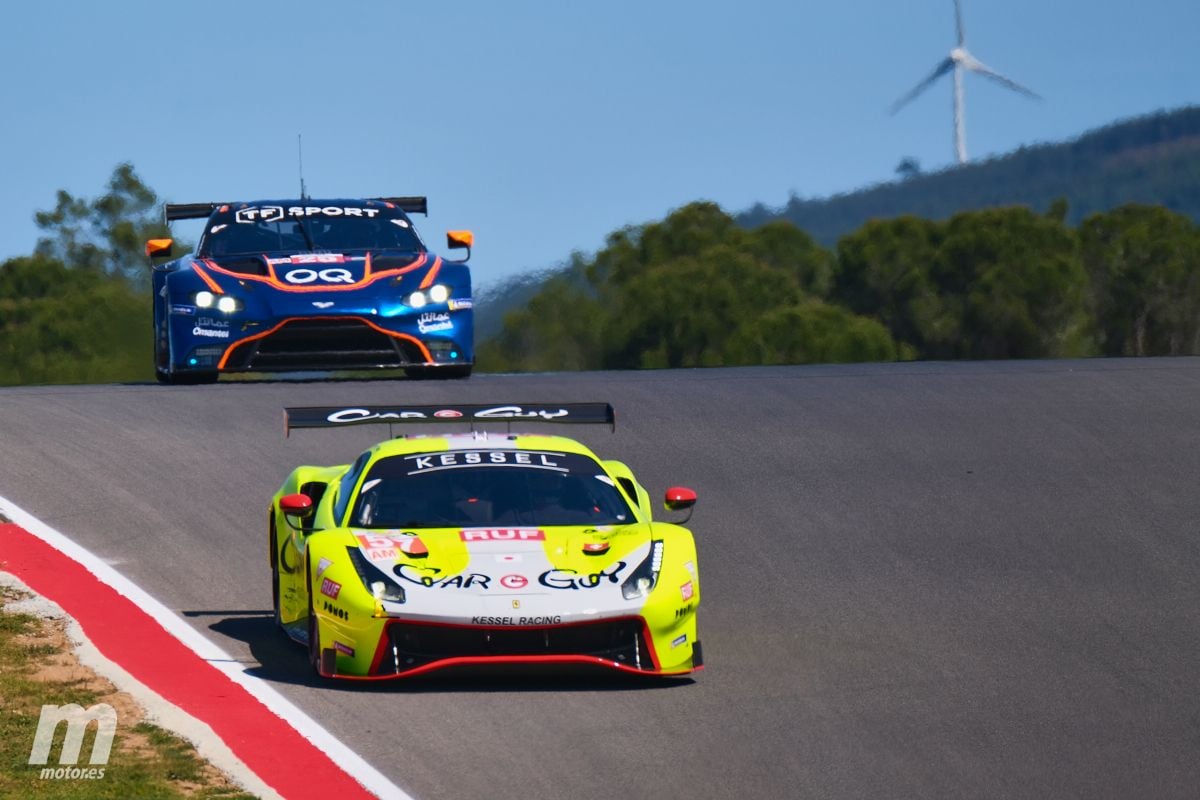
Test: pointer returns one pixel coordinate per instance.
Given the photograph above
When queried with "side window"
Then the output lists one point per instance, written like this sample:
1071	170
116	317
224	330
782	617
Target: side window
315	490
630	490
346	487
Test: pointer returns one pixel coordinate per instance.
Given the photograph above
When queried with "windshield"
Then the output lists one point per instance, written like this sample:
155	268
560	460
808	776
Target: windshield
243	230
488	487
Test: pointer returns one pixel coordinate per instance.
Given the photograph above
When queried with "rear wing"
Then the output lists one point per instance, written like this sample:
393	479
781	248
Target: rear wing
409	205
174	211
341	416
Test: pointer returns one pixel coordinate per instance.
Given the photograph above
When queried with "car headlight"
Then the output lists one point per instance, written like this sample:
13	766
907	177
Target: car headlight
223	303
437	294
375	580
641	581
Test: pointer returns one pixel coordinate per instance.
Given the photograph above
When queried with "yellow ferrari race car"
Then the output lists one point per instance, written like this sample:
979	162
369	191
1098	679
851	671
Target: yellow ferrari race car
480	547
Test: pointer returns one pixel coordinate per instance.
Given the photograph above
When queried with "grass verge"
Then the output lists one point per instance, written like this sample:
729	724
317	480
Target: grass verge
38	667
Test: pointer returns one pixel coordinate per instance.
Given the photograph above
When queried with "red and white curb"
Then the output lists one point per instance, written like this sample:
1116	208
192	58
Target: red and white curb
159	711
188	684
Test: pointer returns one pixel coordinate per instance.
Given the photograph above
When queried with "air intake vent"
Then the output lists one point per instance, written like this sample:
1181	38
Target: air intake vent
325	344
621	641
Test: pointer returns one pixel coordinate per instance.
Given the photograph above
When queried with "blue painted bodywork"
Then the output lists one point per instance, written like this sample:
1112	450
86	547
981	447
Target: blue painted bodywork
336	285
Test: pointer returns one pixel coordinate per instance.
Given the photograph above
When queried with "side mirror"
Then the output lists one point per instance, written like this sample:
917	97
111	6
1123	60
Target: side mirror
457	240
680	498
296	505
159	248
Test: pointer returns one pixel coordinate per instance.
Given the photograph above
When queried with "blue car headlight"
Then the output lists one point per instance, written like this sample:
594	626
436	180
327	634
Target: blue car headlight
436	295
223	303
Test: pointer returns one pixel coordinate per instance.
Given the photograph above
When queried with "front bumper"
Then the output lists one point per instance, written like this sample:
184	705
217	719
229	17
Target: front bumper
409	648
335	342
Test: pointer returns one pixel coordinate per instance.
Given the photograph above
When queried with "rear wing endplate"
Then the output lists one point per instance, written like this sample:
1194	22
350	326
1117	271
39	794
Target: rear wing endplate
342	416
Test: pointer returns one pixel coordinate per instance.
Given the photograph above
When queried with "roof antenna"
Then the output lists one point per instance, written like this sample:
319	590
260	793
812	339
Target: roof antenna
300	154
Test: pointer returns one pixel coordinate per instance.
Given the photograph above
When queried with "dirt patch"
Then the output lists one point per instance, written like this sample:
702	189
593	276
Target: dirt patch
51	660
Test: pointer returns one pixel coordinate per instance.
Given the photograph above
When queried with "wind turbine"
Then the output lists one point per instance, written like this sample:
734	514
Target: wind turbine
960	61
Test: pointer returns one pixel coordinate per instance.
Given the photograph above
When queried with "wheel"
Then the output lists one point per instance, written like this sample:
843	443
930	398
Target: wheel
323	662
314	639
162	348
314	627
275	579
453	371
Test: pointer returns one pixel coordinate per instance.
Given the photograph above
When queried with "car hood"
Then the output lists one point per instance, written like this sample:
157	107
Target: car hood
510	576
332	271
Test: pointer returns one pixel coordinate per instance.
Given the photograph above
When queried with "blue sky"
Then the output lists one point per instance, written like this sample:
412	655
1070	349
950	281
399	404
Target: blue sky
543	126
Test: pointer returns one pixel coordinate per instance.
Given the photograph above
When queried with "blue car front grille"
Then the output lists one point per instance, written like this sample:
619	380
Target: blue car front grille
308	344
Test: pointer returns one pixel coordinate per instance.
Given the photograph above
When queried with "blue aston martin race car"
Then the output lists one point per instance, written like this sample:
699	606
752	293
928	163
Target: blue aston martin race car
288	285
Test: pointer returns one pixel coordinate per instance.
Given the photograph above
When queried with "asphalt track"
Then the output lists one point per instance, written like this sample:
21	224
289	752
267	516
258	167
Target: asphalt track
919	580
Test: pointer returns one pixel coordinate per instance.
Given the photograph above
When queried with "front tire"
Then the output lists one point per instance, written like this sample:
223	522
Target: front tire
323	662
314	627
275	579
162	355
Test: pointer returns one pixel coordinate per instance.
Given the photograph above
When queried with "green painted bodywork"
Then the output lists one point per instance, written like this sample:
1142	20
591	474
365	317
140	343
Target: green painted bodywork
351	625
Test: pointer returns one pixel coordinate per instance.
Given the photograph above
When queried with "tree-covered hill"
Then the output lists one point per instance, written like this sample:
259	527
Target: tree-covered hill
1152	160
697	289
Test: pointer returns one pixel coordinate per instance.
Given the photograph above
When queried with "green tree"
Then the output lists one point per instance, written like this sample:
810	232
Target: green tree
1023	283
1001	283
813	332
684	313
106	234
688	231
75	310
63	325
884	271
561	328
692	290
1144	265
785	248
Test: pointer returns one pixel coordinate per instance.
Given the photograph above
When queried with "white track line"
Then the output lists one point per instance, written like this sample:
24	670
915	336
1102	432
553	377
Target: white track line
351	762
